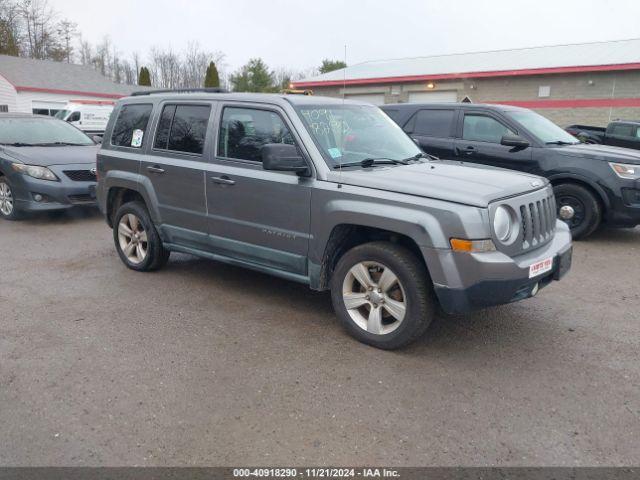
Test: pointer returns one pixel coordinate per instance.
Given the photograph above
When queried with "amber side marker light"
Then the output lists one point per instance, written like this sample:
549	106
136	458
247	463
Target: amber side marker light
472	246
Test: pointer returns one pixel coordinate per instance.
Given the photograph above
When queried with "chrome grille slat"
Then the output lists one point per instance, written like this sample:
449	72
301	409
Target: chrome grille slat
528	222
545	218
545	211
535	215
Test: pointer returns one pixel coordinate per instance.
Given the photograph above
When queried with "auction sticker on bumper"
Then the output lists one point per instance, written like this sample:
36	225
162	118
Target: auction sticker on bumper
541	267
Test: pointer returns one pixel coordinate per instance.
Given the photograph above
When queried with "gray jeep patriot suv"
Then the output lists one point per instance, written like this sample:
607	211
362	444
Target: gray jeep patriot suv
329	193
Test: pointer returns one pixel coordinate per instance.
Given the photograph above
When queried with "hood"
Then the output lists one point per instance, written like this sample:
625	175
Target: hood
452	181
47	156
600	152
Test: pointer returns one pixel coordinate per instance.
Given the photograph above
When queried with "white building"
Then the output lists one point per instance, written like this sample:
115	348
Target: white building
588	83
44	87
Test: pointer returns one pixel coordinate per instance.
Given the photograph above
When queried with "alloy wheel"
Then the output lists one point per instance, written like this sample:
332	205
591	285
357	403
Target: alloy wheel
374	297
6	199
132	238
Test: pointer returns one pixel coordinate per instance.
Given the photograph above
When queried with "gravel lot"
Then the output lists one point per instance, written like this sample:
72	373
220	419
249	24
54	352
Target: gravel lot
206	364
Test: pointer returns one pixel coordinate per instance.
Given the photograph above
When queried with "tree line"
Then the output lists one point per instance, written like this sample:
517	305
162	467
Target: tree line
33	29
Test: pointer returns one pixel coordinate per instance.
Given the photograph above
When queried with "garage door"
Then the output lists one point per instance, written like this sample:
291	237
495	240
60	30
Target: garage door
375	98
432	97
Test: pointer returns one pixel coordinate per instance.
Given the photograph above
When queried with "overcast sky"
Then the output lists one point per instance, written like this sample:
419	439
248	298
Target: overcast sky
299	34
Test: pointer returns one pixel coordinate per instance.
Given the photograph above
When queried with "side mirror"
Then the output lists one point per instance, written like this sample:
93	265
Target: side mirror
97	139
514	141
281	157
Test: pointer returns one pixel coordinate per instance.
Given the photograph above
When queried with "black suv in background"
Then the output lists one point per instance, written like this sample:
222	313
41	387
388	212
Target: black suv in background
593	184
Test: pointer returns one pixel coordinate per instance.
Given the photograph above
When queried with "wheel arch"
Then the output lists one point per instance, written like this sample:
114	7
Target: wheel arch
345	236
118	196
127	187
593	187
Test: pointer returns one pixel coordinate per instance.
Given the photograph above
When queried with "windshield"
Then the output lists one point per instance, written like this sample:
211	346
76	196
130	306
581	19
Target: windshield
62	114
349	134
544	129
38	131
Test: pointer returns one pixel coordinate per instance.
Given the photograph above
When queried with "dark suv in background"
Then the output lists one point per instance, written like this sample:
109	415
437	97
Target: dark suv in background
593	184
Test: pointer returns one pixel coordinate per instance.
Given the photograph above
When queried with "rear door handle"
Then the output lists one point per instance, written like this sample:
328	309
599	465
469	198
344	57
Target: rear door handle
223	180
155	169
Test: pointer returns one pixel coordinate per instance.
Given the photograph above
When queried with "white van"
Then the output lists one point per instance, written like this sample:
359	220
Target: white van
90	117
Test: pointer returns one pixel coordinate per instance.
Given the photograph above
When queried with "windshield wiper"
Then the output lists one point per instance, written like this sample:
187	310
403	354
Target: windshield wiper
18	144
64	144
421	155
370	162
561	142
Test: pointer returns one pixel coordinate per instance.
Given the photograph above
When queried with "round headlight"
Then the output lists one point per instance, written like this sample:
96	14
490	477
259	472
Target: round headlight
502	223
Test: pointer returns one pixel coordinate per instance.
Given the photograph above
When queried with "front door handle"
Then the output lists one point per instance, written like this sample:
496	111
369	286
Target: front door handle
223	180
155	169
466	151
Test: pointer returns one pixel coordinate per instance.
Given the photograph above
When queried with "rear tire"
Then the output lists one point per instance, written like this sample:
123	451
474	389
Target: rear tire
8	210
136	238
588	212
388	292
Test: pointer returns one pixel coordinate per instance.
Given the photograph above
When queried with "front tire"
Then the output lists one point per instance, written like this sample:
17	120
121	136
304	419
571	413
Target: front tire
382	295
136	238
587	214
8	210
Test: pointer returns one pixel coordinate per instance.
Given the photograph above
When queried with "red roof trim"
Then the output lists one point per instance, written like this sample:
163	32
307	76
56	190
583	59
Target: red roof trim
574	103
93	102
451	76
69	92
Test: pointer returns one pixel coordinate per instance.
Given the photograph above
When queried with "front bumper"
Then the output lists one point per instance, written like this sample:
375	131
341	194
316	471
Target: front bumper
625	206
55	195
464	282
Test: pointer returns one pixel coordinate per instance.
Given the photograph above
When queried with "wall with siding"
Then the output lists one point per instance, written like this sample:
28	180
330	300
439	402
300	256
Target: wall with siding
24	102
595	85
7	94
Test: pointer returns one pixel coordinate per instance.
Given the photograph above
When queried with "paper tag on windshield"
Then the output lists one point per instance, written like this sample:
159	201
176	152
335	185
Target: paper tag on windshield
136	138
335	152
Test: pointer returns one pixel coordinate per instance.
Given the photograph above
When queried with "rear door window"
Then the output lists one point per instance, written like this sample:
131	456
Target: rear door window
243	132
131	125
182	128
434	123
481	128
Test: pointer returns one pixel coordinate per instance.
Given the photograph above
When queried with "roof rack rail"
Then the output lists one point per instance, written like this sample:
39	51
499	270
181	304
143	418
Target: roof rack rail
181	90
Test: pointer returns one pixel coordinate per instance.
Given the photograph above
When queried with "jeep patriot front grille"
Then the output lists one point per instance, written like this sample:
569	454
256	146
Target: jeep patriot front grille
538	221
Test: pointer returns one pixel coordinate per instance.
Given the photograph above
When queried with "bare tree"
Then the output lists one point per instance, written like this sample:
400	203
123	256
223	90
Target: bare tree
66	31
85	53
39	21
102	59
194	65
165	68
129	73
9	29
135	60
